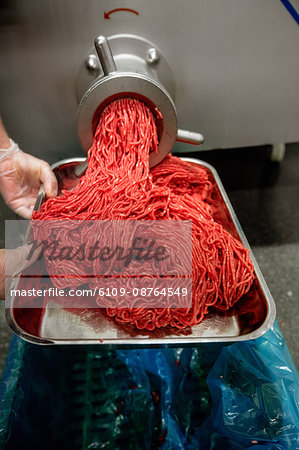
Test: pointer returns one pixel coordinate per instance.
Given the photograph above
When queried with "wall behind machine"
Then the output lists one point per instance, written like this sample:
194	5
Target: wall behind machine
235	65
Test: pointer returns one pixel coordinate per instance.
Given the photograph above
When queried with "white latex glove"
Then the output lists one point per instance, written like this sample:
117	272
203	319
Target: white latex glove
21	176
13	262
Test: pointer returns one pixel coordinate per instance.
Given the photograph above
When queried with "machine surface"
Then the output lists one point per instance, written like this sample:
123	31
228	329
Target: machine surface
234	65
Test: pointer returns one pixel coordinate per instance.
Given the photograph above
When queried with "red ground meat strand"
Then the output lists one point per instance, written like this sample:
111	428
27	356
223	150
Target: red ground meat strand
118	184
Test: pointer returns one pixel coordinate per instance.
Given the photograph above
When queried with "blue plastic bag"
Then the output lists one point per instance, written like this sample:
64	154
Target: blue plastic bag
242	395
254	387
249	399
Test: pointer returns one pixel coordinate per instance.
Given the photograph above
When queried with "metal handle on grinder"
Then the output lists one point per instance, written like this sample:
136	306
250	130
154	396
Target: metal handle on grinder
105	55
189	137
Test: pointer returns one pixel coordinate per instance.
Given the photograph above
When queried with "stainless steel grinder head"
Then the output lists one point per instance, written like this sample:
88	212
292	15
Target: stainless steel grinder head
129	66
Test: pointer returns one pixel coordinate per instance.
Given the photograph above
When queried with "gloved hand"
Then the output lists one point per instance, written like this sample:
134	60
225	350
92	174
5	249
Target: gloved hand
13	262
21	176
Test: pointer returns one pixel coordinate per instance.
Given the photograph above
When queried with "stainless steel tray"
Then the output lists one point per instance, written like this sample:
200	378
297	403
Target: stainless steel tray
249	318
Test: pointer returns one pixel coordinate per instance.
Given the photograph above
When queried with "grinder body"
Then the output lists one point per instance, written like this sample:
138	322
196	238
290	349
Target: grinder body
129	66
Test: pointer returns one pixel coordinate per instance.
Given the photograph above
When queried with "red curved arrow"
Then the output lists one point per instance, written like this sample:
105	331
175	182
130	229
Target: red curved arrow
107	15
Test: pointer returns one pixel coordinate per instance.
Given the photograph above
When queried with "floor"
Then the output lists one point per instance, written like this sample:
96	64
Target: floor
265	196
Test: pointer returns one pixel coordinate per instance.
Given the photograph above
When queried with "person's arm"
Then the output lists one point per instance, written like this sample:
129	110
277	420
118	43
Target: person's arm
13	262
21	176
2	274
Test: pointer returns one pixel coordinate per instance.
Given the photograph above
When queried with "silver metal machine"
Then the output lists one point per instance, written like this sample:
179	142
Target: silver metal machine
230	69
134	68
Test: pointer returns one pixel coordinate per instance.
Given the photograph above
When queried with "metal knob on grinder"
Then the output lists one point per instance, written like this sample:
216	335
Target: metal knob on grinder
128	69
